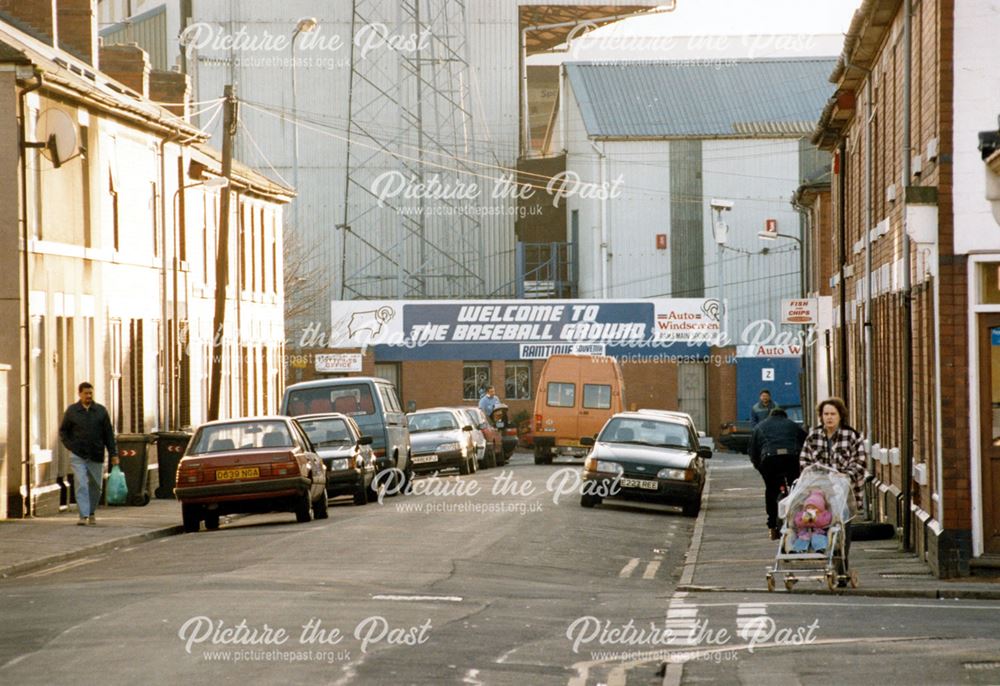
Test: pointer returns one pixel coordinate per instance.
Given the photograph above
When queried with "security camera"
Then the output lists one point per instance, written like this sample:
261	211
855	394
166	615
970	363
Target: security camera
721	205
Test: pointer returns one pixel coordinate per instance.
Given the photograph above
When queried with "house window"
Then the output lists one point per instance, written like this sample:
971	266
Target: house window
475	380
517	381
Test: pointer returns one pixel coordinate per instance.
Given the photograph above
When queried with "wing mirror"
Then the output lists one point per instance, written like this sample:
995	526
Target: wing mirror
705	452
587	442
365	440
467	427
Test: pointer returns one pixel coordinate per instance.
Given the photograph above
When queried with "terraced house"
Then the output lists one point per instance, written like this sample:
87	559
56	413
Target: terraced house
915	266
109	216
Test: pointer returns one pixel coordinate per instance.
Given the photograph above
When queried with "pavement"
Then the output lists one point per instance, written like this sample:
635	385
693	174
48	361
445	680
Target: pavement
730	549
30	544
732	552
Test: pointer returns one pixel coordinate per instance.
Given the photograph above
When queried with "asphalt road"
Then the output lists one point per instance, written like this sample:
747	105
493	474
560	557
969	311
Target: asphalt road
436	588
464	588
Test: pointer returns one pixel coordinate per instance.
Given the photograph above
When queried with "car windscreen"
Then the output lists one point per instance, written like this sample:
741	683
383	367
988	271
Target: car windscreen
431	421
354	400
646	432
327	432
240	436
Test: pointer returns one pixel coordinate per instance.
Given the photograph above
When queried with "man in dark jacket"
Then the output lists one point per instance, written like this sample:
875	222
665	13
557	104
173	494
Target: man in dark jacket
86	432
762	410
774	450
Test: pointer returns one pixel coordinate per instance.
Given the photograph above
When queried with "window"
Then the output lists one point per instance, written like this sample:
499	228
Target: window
114	210
475	380
561	394
596	396
517	381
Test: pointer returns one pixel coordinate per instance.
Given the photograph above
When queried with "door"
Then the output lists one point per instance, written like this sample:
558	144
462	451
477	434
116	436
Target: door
989	413
691	392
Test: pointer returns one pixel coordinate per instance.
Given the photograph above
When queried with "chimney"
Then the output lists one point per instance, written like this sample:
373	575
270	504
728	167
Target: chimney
127	64
76	27
35	16
170	87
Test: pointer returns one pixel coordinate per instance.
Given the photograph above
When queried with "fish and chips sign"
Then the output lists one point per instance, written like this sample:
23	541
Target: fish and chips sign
522	329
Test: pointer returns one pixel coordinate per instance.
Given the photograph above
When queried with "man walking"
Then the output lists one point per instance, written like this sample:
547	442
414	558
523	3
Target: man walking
86	432
775	445
762	410
489	402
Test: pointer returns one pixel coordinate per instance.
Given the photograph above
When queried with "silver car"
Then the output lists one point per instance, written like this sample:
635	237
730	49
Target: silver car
441	438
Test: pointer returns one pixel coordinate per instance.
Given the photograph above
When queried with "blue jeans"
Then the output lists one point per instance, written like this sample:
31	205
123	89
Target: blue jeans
89	475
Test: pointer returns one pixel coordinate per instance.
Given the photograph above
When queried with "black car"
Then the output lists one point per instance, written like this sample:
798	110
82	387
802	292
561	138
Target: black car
735	436
350	463
648	457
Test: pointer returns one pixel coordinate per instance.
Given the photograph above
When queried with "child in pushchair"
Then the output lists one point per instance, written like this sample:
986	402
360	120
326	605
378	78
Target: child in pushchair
813	543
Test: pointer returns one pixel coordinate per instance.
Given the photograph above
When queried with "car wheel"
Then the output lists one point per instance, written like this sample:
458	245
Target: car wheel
464	467
191	514
588	500
540	455
212	520
319	508
302	509
491	458
691	509
361	495
473	465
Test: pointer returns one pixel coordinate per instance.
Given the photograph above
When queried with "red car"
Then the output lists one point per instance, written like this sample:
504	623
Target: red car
250	465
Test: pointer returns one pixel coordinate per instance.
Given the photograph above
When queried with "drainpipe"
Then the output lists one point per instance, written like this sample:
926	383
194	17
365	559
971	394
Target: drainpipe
26	296
907	447
603	164
842	230
868	325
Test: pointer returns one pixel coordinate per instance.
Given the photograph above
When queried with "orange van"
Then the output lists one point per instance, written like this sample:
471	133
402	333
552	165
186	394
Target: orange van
576	395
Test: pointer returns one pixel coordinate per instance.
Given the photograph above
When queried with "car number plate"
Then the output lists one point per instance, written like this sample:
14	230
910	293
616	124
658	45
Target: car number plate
242	473
423	459
640	483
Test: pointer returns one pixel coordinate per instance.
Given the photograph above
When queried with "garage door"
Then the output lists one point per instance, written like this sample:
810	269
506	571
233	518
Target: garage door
692	396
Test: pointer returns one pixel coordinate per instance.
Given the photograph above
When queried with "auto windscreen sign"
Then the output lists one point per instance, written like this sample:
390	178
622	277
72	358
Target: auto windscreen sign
521	329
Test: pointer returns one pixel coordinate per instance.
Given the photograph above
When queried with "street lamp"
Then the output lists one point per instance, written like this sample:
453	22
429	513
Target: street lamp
720	230
170	363
305	25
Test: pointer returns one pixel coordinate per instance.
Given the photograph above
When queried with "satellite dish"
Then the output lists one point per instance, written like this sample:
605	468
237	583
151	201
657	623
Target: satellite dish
58	131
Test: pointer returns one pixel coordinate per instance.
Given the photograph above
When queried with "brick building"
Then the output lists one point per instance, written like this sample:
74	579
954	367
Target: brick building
915	254
109	217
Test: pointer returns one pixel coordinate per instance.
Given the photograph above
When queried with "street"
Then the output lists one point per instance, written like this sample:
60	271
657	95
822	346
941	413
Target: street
475	589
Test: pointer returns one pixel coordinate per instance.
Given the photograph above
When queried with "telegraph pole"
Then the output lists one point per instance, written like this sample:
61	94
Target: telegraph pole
229	124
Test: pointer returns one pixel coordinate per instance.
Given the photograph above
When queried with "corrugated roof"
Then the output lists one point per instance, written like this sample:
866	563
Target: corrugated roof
678	99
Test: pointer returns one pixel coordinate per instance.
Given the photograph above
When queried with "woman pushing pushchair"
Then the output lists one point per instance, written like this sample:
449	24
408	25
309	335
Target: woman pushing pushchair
820	505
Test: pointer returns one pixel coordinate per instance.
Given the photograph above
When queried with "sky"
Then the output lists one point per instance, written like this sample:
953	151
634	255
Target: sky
754	29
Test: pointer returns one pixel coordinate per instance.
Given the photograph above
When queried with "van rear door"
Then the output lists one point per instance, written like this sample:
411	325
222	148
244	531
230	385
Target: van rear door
561	402
595	403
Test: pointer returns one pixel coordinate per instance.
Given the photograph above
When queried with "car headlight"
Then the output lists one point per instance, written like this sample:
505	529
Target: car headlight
675	474
341	464
592	465
446	447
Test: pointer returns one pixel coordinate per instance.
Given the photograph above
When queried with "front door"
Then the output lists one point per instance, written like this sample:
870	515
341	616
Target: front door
989	393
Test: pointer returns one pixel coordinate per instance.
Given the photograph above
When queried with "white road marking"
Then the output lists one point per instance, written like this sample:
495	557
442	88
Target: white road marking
749	615
629	568
682	612
651	570
420	598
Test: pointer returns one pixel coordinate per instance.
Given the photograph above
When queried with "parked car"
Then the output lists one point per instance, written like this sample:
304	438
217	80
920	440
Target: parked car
704	439
442	439
491	453
370	401
654	457
735	435
507	431
250	465
346	453
576	395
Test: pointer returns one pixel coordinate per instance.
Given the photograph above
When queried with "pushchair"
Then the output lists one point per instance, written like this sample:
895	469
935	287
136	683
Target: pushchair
812	544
